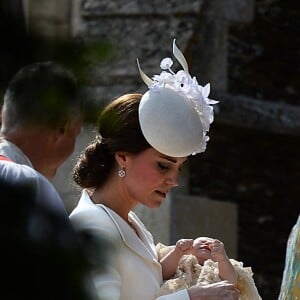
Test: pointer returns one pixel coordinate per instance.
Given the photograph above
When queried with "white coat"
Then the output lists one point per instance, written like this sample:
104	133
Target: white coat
134	271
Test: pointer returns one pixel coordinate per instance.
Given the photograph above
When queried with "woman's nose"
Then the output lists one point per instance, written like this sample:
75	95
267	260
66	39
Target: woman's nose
172	180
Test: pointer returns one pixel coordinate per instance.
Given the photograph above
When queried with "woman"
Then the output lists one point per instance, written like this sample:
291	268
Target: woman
143	141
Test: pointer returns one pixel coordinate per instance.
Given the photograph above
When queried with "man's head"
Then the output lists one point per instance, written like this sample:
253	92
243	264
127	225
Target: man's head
42	94
41	114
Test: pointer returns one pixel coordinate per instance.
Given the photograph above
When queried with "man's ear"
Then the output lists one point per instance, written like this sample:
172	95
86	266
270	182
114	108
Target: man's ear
58	133
63	125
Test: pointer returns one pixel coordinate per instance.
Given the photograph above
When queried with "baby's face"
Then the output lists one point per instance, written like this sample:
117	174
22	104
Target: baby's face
201	247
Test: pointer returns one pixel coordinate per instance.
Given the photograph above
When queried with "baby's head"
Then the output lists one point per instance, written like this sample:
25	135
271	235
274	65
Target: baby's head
201	249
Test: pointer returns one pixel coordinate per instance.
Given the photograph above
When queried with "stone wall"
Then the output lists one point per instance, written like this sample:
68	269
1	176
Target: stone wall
145	30
259	172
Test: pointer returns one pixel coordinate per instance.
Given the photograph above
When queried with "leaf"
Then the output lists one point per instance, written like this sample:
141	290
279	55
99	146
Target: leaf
180	57
148	81
206	90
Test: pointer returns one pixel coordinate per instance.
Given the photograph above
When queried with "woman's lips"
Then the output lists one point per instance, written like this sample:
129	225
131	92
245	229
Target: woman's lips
162	194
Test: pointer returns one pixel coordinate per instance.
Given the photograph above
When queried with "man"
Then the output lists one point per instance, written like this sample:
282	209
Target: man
43	258
41	117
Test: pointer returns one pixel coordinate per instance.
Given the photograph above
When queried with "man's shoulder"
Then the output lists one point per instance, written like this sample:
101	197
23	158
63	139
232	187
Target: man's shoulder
13	172
21	176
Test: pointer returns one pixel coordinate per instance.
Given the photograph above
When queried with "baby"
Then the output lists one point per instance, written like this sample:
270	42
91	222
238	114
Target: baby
200	262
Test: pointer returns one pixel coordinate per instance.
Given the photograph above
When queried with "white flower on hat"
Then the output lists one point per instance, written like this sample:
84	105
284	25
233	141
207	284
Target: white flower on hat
190	134
164	79
166	63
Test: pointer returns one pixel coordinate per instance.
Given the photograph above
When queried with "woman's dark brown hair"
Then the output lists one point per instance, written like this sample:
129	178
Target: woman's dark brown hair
119	130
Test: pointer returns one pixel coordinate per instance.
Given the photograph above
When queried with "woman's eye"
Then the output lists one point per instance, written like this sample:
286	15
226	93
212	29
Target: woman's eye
183	167
163	166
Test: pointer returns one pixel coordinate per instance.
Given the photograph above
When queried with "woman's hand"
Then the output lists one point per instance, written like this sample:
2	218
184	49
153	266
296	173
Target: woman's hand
222	290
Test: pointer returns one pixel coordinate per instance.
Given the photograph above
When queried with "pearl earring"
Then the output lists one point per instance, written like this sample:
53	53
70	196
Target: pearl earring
121	173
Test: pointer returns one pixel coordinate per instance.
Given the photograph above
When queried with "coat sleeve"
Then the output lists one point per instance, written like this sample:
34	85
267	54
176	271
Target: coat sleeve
180	295
108	284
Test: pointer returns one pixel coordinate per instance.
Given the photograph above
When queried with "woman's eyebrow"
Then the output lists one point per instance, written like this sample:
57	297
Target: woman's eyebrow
171	159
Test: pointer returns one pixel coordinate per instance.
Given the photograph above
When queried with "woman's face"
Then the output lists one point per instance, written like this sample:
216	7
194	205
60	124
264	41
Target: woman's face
151	175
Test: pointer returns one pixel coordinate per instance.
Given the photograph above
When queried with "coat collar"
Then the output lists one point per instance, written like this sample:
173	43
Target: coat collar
142	244
13	152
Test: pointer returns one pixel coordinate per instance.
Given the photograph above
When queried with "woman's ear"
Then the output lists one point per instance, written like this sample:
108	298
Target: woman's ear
121	158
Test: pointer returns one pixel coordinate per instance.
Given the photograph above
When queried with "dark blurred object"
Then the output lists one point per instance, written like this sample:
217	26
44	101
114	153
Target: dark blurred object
15	43
20	48
41	258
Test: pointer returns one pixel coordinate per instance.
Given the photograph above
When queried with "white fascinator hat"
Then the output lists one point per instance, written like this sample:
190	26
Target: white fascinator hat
175	113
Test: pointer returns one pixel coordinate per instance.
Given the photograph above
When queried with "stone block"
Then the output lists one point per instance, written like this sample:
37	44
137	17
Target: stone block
241	11
128	7
246	112
106	93
63	181
148	39
194	216
157	221
48	18
58	9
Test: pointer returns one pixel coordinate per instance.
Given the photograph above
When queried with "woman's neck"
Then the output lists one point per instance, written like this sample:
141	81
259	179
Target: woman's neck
114	197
